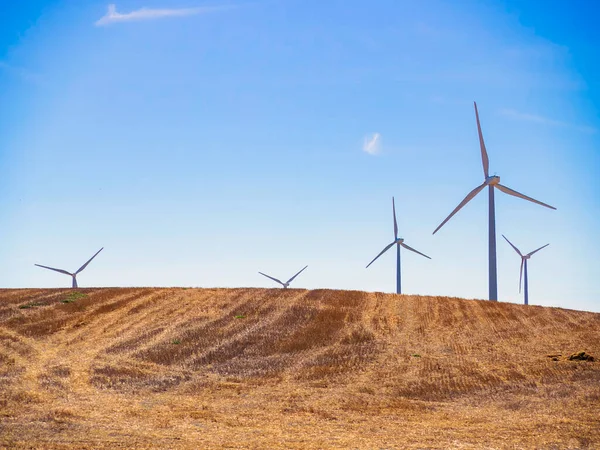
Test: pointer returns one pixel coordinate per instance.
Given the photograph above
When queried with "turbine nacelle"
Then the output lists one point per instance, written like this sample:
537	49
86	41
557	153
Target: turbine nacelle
399	240
492	181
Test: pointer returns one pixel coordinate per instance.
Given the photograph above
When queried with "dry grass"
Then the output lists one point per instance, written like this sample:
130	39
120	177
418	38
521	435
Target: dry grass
257	368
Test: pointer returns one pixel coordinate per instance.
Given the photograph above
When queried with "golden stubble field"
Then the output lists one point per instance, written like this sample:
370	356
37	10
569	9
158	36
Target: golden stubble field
272	368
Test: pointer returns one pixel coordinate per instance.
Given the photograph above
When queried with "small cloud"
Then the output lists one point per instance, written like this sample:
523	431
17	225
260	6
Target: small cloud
112	16
372	144
543	120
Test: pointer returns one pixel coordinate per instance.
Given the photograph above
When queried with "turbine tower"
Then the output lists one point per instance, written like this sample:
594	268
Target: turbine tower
524	259
287	283
491	182
74	275
399	242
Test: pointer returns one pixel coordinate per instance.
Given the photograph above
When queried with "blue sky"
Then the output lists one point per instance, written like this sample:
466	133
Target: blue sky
202	142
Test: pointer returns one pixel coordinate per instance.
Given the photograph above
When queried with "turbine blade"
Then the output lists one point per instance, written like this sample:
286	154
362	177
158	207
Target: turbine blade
89	261
291	279
268	276
511	244
382	252
56	270
466	200
521	273
395	223
514	193
413	250
484	156
544	246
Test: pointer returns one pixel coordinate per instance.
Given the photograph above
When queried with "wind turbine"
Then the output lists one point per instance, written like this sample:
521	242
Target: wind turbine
74	275
287	283
524	259
491	182
398	242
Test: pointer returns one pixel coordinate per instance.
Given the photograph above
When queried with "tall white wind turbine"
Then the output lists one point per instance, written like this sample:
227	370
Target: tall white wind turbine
287	283
399	242
74	275
491	182
524	259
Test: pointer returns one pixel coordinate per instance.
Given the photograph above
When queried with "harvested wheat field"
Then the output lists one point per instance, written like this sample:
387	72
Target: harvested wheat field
274	368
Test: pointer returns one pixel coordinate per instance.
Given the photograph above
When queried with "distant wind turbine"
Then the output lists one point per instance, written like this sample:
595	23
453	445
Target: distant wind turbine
524	259
492	182
398	242
287	283
74	275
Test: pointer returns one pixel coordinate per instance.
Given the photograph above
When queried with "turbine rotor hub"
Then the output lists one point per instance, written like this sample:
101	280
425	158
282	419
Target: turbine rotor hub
493	180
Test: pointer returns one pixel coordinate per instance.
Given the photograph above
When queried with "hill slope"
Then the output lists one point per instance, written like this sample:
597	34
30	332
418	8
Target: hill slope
263	368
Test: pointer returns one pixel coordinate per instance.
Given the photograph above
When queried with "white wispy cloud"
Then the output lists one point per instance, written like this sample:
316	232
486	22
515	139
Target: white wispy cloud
21	72
112	16
544	120
372	144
